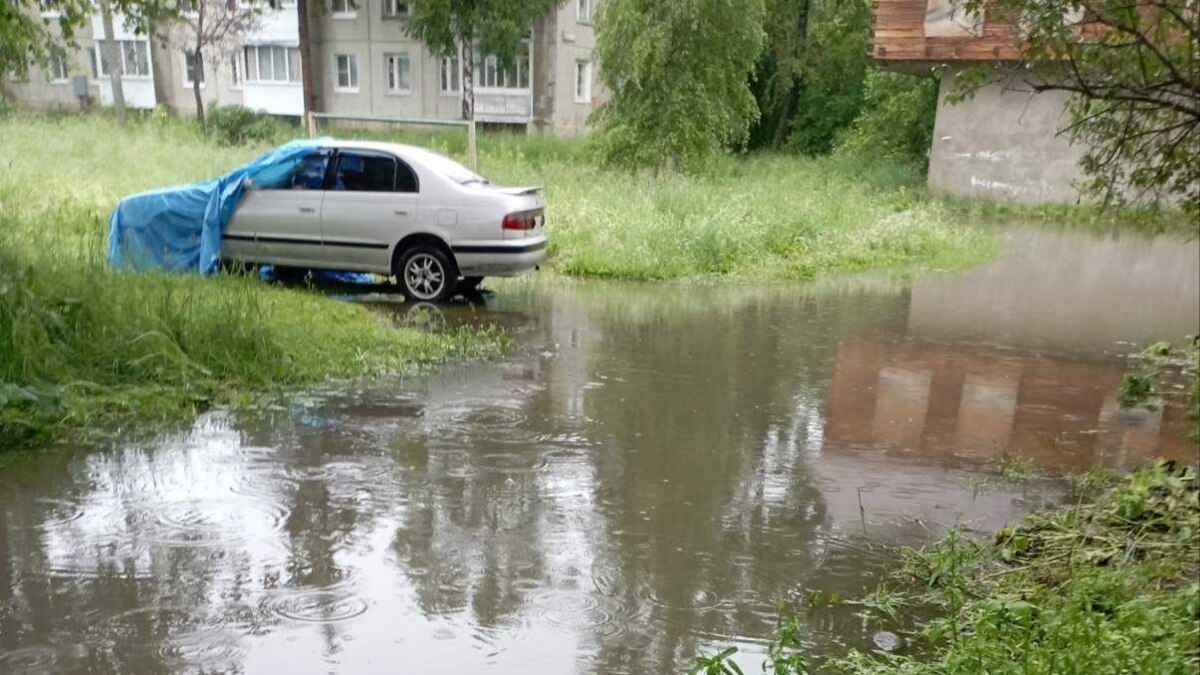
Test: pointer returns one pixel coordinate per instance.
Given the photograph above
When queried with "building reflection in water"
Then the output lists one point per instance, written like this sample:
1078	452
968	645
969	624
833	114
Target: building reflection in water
956	402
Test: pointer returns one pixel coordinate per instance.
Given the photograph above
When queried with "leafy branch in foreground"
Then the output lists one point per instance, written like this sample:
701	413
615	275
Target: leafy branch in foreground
1133	74
1166	371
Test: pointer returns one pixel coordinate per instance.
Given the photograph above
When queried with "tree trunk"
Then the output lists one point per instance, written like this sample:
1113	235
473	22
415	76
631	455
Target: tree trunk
469	98
306	81
796	83
197	77
112	54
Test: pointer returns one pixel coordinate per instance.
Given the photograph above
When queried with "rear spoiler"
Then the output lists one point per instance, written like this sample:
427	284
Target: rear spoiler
517	191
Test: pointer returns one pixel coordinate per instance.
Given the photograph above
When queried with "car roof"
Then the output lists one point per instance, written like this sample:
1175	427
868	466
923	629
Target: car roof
395	148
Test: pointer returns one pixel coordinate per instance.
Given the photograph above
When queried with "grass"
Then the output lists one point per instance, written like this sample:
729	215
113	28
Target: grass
82	347
763	217
1105	584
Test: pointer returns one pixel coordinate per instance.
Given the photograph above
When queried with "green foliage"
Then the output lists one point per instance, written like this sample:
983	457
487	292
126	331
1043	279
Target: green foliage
236	125
756	217
497	25
1133	73
1165	372
721	663
677	76
1104	585
82	346
808	81
897	119
26	38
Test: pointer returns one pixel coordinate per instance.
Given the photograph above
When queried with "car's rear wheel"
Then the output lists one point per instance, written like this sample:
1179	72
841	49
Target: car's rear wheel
426	274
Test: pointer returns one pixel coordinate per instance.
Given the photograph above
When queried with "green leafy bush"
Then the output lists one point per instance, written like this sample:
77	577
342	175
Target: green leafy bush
235	125
897	118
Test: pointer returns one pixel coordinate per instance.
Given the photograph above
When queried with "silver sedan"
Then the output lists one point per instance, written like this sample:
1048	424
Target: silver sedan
389	209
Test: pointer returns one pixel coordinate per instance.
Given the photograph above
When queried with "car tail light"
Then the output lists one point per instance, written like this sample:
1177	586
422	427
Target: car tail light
522	220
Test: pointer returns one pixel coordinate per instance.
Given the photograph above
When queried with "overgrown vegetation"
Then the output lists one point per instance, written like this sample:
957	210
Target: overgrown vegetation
82	346
1104	584
818	92
677	73
236	125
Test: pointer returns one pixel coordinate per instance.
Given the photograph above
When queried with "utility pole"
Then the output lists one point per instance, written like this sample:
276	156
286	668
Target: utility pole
306	77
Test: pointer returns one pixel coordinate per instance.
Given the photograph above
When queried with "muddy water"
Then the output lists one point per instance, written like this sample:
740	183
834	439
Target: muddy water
650	473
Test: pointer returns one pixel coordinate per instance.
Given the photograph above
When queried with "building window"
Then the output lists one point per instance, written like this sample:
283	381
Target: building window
451	75
347	72
488	73
395	9
192	69
133	54
583	81
398	73
343	9
49	9
59	71
583	11
272	63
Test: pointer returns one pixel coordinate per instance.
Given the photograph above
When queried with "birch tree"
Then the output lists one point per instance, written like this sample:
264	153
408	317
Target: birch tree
493	26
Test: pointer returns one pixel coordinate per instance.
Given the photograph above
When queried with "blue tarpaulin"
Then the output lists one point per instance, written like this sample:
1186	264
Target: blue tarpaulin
178	229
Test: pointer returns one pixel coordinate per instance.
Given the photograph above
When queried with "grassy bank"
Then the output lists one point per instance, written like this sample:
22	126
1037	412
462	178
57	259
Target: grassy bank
1105	584
82	347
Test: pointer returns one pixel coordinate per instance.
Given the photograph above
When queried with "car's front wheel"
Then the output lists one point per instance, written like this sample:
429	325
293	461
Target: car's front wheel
426	274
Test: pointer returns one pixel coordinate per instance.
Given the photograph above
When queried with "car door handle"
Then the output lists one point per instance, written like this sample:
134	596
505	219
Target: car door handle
307	209
400	212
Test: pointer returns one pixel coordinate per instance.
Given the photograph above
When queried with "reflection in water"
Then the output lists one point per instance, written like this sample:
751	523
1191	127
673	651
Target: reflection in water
653	473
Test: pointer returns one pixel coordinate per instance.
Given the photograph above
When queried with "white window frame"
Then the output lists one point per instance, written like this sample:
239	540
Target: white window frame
394	7
292	66
98	48
583	11
187	81
56	77
350	11
351	73
389	59
490	76
446	75
48	9
584	96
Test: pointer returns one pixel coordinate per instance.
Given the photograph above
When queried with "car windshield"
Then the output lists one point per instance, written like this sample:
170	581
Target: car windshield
451	169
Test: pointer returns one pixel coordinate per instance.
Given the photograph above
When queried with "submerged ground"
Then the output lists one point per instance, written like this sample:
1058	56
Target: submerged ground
651	471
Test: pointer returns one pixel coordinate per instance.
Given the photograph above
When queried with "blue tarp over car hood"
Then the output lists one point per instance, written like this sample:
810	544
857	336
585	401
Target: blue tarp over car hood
178	229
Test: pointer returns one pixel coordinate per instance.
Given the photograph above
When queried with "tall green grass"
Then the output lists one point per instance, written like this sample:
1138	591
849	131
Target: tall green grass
82	346
764	217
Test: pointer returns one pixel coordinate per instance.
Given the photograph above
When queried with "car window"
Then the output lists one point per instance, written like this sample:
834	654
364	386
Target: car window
303	173
364	173
406	178
310	172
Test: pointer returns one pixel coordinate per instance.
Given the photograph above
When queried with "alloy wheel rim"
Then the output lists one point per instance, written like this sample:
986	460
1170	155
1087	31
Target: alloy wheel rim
424	276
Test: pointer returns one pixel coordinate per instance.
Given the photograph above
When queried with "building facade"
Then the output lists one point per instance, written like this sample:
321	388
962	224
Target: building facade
364	65
1004	142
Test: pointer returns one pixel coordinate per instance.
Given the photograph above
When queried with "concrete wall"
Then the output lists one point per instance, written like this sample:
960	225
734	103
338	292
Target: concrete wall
560	40
1003	145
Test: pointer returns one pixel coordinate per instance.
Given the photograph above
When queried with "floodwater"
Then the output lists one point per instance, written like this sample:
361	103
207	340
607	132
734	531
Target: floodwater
650	474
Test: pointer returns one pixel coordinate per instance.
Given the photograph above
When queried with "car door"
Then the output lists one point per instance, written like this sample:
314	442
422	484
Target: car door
371	204
284	213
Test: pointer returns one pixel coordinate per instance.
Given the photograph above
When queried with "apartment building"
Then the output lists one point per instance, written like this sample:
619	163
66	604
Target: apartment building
365	65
